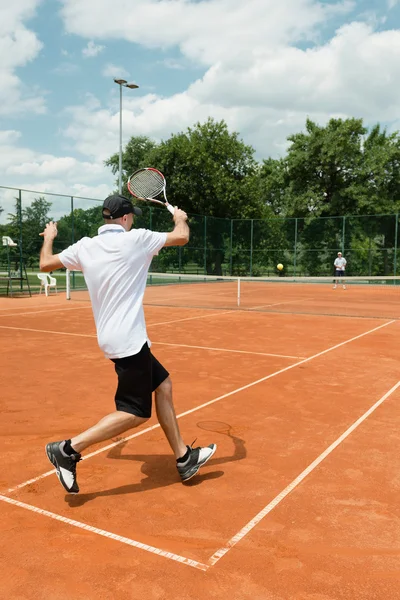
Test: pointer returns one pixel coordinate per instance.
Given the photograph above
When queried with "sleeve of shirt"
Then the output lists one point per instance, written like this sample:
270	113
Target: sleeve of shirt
153	241
70	257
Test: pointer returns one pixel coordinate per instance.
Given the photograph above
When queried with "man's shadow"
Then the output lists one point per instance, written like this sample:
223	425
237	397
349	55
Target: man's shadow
160	471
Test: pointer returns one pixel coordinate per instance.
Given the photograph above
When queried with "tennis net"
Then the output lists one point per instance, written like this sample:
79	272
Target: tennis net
362	297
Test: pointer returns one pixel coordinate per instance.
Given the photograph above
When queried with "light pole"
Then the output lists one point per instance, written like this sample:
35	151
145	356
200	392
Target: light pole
122	83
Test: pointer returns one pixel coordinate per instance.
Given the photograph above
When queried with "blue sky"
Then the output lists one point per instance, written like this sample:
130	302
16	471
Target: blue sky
262	66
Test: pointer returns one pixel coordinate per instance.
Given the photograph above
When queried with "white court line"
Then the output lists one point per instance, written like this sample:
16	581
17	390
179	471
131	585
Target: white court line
226	350
282	495
216	314
86	335
218	399
37	312
107	534
280	303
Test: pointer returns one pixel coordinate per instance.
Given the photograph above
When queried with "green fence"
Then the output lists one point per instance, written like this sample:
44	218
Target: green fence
217	246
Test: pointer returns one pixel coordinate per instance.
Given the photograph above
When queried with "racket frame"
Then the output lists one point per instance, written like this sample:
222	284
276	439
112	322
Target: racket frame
148	199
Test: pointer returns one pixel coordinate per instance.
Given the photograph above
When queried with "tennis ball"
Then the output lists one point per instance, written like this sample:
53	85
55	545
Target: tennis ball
279	267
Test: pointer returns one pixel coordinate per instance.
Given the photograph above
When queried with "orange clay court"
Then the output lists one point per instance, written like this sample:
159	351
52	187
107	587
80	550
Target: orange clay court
299	388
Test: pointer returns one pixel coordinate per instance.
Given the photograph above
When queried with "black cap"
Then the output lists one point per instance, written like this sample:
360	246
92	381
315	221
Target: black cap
118	206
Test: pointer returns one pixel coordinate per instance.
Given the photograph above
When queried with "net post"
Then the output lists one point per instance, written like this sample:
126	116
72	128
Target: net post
68	284
238	291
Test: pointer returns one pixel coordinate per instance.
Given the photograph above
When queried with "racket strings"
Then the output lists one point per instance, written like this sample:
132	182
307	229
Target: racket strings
146	184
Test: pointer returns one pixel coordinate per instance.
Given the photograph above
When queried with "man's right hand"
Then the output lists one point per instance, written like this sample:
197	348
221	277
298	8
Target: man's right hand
179	215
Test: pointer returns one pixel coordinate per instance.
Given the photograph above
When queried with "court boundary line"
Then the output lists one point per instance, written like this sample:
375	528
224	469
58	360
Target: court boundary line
238	537
124	540
245	530
91	335
280	312
295	482
204	405
279	303
38	312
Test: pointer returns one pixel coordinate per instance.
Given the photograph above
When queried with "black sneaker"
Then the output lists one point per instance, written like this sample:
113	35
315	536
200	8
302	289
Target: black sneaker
197	458
65	466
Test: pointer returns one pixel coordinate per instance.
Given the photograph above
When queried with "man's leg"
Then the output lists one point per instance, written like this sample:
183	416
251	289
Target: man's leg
65	455
189	460
167	418
108	427
133	403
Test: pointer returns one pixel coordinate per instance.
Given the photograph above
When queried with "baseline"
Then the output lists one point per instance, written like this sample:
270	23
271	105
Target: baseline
176	557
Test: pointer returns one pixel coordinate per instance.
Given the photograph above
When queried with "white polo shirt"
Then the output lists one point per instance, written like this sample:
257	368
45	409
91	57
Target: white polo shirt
115	265
340	263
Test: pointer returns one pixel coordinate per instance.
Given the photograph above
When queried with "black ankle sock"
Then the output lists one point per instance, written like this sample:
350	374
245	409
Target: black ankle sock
184	458
68	449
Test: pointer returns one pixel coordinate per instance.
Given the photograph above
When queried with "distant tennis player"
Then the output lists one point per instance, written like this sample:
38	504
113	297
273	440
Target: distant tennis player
340	267
115	265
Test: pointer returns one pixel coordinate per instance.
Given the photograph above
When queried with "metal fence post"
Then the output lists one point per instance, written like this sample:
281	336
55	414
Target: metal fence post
19	203
205	245
295	247
231	256
72	221
343	233
72	241
396	230
251	246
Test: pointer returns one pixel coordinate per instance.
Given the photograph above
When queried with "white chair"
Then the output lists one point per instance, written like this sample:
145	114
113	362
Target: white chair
7	241
47	282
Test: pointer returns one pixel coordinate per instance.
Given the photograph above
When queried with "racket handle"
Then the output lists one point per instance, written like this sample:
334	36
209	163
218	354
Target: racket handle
171	208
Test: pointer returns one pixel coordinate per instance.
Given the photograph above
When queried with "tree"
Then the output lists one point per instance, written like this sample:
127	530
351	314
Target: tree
33	221
133	158
339	169
209	171
79	224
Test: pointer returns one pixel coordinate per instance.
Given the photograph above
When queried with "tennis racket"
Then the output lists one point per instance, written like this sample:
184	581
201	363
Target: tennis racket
148	184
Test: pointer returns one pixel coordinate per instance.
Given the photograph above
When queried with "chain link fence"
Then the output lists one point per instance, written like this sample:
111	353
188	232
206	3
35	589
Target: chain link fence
239	247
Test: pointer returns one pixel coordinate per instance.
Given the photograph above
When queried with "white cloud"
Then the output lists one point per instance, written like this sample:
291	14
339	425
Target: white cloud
205	31
25	169
18	46
256	74
66	68
172	63
111	70
92	50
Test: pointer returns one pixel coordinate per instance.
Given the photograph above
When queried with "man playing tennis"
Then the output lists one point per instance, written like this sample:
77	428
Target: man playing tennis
340	267
115	265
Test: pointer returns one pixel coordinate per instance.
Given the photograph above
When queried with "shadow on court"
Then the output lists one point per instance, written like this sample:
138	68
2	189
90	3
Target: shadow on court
160	472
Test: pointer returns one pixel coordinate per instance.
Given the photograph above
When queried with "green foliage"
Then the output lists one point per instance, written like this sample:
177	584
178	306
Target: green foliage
33	219
78	224
246	216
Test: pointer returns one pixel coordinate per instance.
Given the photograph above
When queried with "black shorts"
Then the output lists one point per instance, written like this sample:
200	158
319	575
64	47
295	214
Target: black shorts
339	273
138	376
